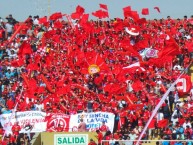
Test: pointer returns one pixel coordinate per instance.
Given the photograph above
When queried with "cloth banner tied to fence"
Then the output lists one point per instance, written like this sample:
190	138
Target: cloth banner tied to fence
41	121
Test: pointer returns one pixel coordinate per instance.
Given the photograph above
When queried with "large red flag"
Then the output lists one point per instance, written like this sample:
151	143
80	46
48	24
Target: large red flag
171	48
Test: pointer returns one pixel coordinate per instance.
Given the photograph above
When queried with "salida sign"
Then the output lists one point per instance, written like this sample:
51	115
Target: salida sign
70	139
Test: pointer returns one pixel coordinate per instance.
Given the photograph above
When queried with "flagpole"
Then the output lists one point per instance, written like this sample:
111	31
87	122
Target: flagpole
48	7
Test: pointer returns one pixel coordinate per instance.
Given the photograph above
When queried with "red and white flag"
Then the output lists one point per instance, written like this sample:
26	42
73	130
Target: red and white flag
184	84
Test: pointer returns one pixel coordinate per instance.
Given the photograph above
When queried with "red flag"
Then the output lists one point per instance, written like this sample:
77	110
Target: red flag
113	88
100	14
168	51
171	48
25	48
43	20
118	25
17	63
80	9
58	24
136	106
162	123
56	16
75	16
157	8
152	123
142	21
141	44
126	10
84	19
46	82
103	6
145	11
163	88
79	12
133	14
25	79
137	86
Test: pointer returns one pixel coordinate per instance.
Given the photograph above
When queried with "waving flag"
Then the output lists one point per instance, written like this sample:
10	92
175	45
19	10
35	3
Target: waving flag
103	6
184	85
145	11
157	8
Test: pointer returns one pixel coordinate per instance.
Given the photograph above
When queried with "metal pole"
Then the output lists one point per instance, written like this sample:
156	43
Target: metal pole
49	8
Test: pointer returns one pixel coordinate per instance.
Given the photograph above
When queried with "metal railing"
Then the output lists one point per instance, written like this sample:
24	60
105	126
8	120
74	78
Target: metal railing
133	142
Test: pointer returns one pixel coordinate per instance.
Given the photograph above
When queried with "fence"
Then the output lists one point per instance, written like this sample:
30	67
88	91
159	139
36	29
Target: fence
147	142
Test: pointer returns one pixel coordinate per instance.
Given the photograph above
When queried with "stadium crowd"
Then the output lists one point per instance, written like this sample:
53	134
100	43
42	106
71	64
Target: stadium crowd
57	65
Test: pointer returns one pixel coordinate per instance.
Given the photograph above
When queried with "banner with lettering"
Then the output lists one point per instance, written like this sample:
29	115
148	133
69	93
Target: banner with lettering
93	120
41	121
57	122
35	118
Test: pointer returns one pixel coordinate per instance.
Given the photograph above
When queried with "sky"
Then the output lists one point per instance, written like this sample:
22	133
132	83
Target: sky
21	9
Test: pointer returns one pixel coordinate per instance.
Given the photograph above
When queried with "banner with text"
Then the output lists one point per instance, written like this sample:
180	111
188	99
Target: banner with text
41	121
93	120
35	118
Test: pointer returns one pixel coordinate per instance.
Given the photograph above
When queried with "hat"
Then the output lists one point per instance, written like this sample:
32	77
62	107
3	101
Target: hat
132	31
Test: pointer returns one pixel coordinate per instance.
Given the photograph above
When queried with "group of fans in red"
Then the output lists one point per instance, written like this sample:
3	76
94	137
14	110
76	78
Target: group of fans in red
123	66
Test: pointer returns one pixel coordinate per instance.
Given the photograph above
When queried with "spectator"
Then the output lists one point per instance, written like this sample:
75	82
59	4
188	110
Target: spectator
99	137
82	126
104	127
92	142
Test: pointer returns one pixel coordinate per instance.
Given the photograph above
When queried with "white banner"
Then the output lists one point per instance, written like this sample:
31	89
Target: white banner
35	118
93	120
38	120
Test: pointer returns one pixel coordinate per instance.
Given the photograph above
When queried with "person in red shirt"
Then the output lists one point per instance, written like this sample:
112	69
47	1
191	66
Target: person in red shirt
59	128
107	137
22	105
2	33
113	103
2	131
80	105
92	142
146	114
99	137
16	128
10	103
188	132
104	127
